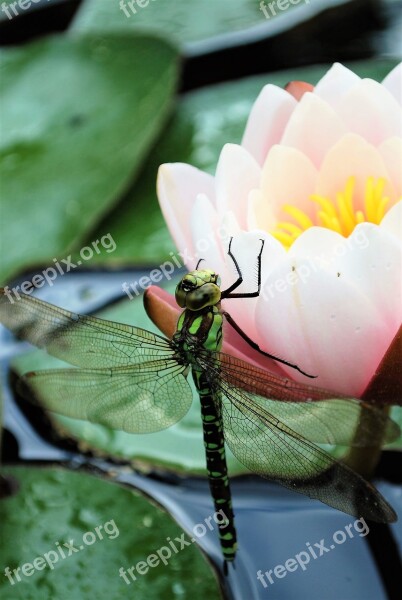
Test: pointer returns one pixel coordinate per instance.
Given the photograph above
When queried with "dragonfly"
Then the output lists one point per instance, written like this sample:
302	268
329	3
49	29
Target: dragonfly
134	380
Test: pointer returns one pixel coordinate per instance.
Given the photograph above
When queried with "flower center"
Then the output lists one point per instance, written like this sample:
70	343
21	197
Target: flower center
339	215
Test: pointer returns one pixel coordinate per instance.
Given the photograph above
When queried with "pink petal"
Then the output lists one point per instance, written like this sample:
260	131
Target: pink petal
352	156
288	177
392	222
393	83
237	174
267	121
391	152
162	309
209	239
298	88
313	128
260	213
326	325
178	185
371	259
336	82
320	245
369	110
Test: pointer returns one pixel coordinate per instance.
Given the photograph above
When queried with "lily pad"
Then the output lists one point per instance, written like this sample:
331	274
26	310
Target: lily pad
180	20
203	122
108	526
79	114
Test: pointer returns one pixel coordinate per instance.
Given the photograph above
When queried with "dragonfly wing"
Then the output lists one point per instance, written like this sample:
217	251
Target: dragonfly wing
80	340
266	446
137	400
317	414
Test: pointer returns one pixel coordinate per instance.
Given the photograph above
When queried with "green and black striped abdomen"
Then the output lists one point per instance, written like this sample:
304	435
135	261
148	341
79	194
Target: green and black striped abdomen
216	463
202	330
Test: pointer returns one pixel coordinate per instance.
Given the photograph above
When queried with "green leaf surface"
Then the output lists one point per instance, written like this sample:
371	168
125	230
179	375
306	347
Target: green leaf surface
396	415
78	117
181	20
204	121
55	506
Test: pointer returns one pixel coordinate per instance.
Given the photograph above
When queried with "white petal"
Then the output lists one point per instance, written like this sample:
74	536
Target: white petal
392	222
323	323
205	235
372	260
178	186
313	128
369	110
267	121
391	152
335	83
319	246
288	177
393	83
260	214
237	174
229	227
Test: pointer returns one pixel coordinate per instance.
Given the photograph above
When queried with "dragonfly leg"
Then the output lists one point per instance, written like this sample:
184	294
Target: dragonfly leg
255	346
228	293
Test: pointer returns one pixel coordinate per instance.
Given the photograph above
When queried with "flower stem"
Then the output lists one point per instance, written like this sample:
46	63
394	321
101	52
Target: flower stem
364	460
383	390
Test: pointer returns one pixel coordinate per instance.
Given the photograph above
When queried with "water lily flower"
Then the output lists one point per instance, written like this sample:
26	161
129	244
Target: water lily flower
318	177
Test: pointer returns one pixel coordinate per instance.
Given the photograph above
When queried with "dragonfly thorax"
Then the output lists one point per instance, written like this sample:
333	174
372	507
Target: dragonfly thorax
198	289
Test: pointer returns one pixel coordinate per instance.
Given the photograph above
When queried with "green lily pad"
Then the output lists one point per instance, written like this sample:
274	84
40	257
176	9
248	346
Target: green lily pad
204	121
180	20
109	526
78	117
396	415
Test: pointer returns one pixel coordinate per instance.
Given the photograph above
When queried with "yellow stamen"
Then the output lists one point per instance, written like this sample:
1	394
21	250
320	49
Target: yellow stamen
289	228
360	216
337	214
301	217
285	239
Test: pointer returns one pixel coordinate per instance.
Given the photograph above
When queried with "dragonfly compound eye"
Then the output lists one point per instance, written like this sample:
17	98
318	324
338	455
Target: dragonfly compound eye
208	294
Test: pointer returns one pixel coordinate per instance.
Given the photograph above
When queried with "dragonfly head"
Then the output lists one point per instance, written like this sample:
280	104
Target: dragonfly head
198	289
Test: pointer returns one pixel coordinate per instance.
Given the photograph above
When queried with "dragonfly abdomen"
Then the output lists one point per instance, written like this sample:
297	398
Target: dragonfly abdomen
216	464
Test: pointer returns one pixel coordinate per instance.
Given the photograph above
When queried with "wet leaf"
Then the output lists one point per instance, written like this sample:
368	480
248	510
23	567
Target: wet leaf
56	506
183	21
78	117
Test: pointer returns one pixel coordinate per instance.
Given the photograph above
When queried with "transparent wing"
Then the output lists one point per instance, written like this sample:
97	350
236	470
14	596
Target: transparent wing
80	340
137	400
317	414
268	447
